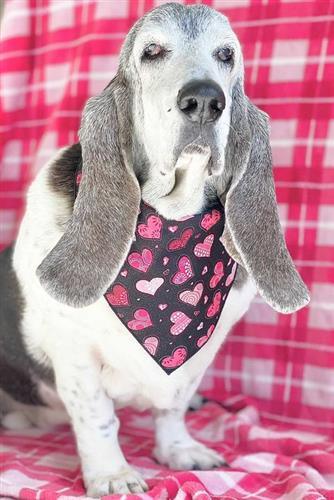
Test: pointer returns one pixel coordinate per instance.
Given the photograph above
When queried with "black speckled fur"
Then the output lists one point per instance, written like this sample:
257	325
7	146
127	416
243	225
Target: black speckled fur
16	366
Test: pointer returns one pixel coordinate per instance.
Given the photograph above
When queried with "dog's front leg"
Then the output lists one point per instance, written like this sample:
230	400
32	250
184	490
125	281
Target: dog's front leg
95	424
176	448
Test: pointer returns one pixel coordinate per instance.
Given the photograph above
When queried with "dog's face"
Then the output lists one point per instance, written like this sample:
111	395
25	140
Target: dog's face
182	68
179	83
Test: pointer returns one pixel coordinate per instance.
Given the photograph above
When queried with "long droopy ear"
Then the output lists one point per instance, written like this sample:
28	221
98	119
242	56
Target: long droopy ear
86	259
253	230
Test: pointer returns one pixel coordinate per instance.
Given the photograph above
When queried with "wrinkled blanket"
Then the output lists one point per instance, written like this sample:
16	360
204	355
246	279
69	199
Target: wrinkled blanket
264	461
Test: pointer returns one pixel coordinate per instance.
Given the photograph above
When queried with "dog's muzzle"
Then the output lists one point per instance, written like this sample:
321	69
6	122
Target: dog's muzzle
201	101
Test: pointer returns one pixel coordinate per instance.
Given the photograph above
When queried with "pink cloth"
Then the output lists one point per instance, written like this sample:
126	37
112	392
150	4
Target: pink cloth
265	463
54	55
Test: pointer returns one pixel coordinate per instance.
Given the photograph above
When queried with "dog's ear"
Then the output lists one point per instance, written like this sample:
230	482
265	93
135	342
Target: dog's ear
253	229
86	259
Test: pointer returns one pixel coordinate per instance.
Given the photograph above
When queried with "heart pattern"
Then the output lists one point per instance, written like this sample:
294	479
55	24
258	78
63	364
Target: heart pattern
152	229
185	271
202	340
151	344
118	296
181	242
204	249
210	219
176	359
172	287
141	261
218	273
142	320
180	320
149	287
192	297
213	308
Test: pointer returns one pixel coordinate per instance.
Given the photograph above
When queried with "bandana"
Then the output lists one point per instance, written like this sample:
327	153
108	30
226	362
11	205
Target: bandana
174	282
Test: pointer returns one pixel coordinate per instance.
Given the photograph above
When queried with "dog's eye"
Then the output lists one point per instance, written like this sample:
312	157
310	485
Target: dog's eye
225	54
153	51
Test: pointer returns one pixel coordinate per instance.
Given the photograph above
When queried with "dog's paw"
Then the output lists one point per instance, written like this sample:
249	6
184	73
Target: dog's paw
126	481
194	456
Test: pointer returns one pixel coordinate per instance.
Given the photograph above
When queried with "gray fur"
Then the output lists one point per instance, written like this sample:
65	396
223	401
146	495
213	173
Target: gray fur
251	210
79	269
192	20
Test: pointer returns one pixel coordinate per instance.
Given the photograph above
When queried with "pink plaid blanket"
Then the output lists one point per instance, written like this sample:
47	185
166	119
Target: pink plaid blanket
278	437
264	462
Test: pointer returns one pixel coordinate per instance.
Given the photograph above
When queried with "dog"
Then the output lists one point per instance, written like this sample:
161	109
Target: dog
174	130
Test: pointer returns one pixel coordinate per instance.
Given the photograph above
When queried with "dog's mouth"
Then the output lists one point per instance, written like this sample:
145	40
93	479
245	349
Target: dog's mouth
194	139
196	147
195	159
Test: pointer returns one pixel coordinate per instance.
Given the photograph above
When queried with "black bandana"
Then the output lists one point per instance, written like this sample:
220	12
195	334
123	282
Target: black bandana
174	283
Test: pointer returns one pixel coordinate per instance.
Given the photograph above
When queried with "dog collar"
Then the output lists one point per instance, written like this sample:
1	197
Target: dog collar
174	283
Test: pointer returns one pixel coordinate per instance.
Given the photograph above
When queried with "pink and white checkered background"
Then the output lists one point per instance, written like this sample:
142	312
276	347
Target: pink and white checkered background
56	53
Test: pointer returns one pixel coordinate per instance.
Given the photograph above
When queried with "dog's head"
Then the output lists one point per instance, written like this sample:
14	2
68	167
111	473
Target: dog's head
179	82
182	64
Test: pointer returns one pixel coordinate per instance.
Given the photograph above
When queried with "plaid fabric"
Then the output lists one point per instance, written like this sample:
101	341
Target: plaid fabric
265	463
54	55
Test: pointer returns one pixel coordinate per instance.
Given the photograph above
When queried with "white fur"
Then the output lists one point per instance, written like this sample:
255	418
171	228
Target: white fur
98	364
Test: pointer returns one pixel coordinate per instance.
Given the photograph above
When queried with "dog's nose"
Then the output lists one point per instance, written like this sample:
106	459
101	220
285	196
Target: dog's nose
201	101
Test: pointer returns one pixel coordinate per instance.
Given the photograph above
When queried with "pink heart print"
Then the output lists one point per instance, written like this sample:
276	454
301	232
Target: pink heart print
192	297
204	249
204	270
165	261
185	271
218	274
142	261
151	344
176	359
172	229
141	320
149	287
162	307
181	242
215	305
230	277
181	321
202	340
124	273
152	229
209	220
118	296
